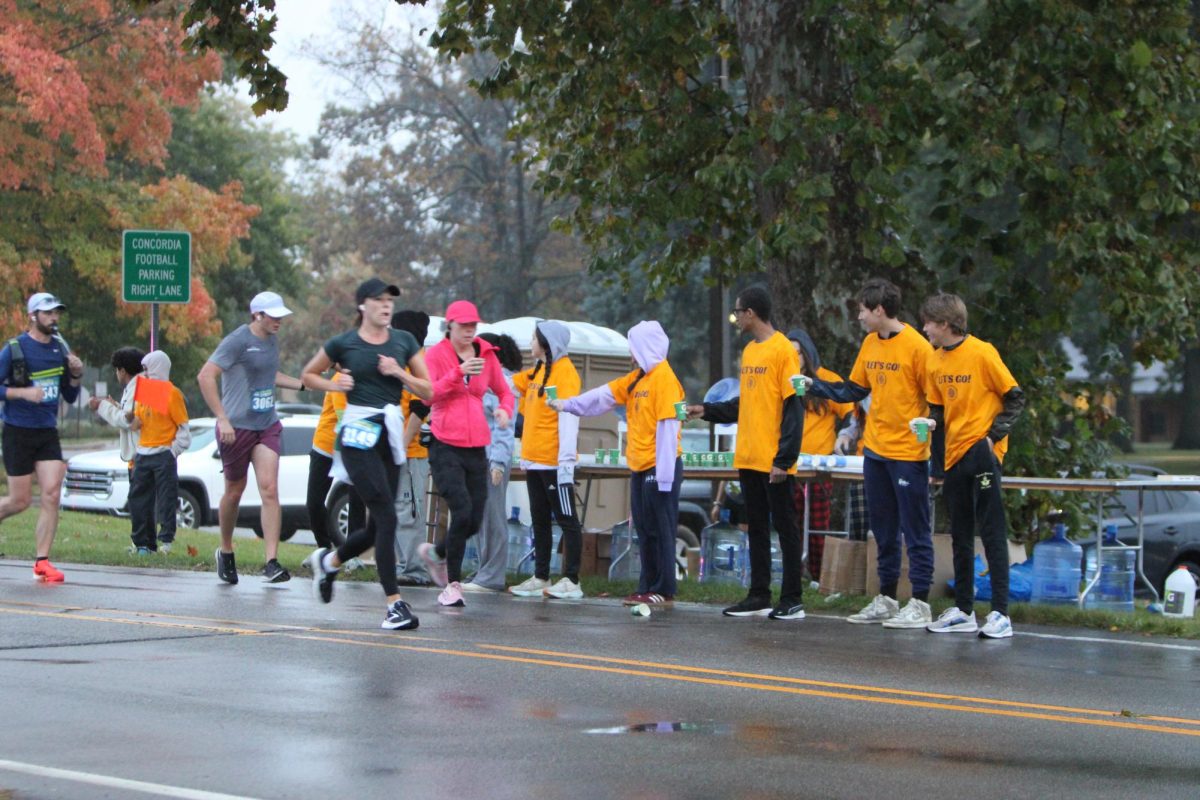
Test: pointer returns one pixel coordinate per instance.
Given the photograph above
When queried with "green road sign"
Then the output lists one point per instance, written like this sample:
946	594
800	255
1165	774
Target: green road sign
157	266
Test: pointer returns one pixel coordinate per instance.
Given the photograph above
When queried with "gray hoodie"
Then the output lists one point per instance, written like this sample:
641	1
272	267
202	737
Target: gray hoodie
558	337
156	365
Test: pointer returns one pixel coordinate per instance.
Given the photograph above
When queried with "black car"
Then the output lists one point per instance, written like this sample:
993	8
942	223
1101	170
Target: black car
1171	522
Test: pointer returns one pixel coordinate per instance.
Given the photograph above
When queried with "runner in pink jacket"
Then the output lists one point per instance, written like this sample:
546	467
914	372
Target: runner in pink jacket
462	369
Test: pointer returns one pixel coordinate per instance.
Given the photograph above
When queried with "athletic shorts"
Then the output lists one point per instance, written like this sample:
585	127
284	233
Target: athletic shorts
235	457
24	447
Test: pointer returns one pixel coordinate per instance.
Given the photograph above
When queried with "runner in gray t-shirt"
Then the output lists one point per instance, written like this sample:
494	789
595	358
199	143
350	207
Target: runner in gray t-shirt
248	429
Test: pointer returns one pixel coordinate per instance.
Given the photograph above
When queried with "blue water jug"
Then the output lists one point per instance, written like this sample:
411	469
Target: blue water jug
1114	592
724	553
520	543
1056	569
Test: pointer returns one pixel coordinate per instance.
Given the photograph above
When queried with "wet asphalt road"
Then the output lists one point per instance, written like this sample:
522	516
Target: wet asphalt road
196	689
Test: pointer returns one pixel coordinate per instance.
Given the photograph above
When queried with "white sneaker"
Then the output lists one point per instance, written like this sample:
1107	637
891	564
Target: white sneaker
996	626
472	586
532	587
953	620
915	614
878	610
565	589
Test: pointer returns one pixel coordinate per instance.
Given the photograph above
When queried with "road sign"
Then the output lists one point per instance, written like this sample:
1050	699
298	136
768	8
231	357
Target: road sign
157	266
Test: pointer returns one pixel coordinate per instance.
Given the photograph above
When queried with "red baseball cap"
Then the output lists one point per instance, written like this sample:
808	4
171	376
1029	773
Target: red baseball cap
462	311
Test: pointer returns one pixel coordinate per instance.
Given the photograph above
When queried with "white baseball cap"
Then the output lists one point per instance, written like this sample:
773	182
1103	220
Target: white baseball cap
270	304
44	301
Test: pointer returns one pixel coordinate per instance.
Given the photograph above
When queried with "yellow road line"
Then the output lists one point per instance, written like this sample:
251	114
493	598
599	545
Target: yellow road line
147	622
826	684
1103	723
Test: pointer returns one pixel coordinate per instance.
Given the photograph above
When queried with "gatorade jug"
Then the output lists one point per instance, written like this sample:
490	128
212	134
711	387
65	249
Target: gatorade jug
520	543
1180	599
1056	567
1114	592
724	552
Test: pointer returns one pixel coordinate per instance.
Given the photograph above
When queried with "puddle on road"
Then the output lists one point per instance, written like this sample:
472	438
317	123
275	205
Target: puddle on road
702	728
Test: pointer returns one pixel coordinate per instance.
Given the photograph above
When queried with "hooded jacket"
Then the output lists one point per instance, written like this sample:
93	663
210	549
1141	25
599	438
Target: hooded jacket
114	414
161	432
821	415
550	440
456	416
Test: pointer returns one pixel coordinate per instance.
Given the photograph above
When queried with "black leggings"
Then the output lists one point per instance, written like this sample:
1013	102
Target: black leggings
319	482
461	476
375	476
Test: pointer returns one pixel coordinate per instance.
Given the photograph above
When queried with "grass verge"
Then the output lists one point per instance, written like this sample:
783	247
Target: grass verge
96	539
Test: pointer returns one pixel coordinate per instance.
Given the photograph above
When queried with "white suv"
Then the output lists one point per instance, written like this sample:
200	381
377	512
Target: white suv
100	481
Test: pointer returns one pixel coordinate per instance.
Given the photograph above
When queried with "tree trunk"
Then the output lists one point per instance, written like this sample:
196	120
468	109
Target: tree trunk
1189	422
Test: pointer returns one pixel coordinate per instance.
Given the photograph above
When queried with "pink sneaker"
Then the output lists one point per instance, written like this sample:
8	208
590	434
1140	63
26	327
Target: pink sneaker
436	566
452	595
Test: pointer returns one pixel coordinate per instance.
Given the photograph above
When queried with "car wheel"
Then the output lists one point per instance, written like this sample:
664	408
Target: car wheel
339	518
187	513
286	531
684	539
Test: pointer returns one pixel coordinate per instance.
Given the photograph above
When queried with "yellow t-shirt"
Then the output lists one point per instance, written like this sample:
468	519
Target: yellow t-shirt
539	437
766	382
653	399
415	448
158	430
969	381
894	370
820	428
331	412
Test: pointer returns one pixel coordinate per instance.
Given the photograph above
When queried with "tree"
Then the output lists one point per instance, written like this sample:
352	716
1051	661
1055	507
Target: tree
436	191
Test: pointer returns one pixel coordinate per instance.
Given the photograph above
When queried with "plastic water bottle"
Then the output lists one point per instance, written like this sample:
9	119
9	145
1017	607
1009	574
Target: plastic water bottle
625	565
1180	598
1056	569
724	551
1114	592
520	542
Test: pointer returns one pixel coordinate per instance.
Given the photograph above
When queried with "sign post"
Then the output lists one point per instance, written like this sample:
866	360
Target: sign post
156	268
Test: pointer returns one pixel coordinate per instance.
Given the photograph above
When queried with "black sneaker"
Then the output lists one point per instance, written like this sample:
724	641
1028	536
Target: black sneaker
274	572
400	618
321	578
750	607
226	568
787	610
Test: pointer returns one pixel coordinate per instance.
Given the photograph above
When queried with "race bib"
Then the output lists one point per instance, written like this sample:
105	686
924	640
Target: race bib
262	400
360	434
49	386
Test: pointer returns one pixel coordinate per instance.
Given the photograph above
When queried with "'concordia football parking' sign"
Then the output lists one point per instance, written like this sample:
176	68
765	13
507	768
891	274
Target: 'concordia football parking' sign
157	267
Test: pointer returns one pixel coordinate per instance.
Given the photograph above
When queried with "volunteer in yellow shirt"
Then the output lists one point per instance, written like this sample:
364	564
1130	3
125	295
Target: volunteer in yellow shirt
549	445
891	368
650	394
770	419
974	401
154	484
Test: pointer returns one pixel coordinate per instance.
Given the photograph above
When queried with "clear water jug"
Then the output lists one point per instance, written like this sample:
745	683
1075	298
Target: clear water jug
1180	598
1114	592
724	553
520	544
1056	569
626	556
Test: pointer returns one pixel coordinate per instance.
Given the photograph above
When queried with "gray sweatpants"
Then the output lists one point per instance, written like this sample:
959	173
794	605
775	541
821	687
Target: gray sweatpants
410	520
493	537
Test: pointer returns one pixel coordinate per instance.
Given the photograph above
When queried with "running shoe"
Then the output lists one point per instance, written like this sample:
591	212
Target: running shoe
400	618
565	589
996	626
915	614
164	548
45	571
878	610
452	595
787	610
953	620
322	579
750	607
226	567
531	587
435	565
472	586
274	572
649	598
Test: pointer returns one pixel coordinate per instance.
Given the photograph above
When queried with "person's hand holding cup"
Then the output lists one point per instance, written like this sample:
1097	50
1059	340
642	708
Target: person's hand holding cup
922	426
471	366
695	411
800	384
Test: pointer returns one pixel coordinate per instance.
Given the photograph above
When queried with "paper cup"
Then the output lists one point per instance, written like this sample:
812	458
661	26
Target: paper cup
681	410
922	431
552	392
640	610
798	385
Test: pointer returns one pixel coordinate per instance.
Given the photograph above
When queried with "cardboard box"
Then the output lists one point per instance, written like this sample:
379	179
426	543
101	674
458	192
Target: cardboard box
943	566
843	567
594	555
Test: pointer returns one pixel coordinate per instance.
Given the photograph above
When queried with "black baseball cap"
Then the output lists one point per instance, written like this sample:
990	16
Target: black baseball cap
373	287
